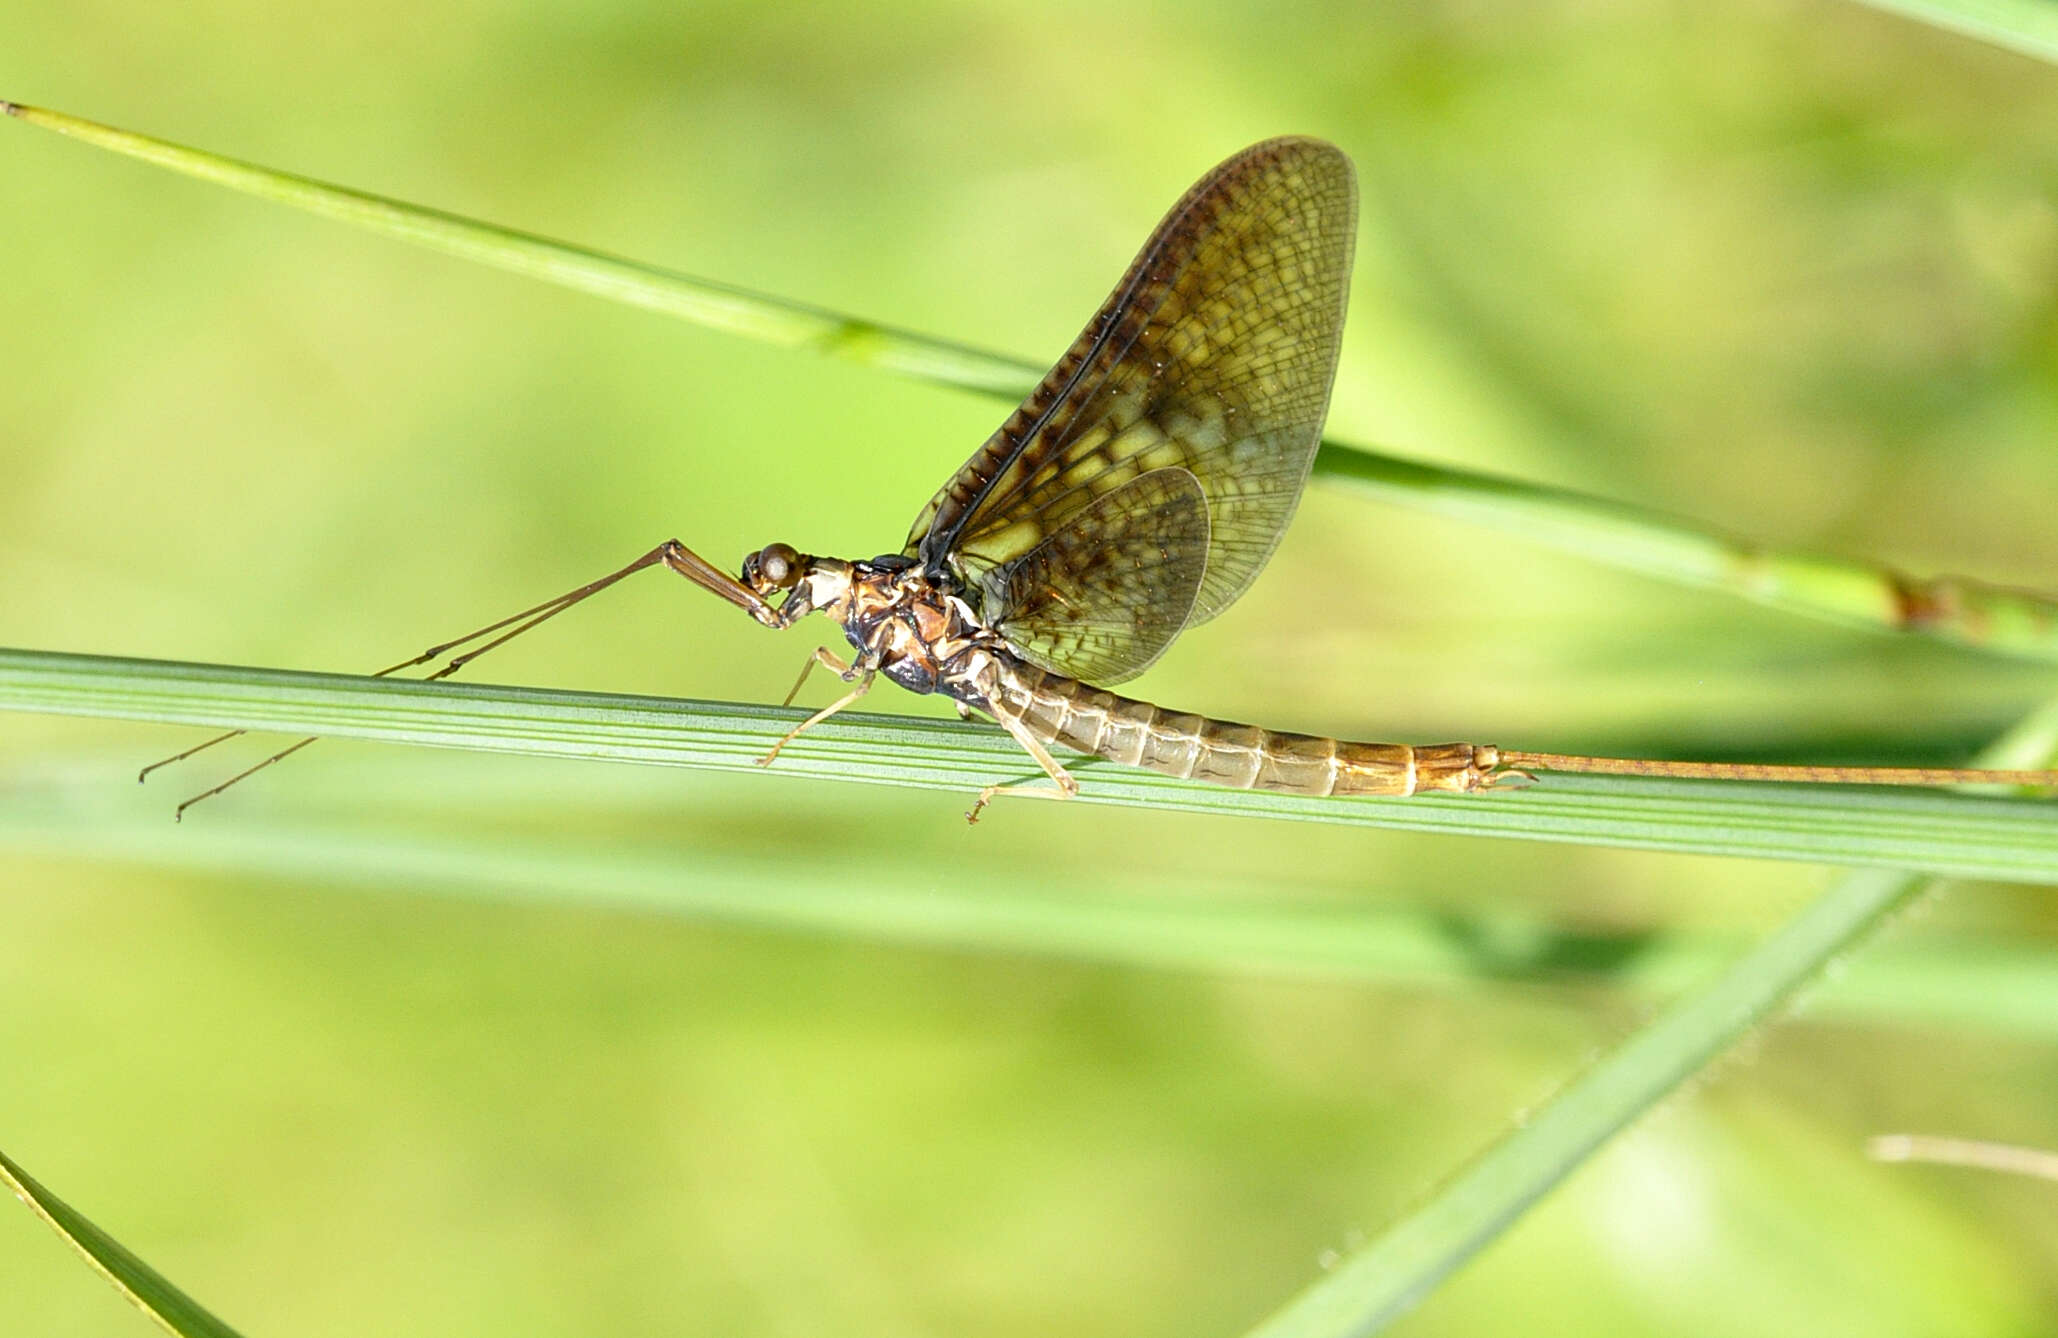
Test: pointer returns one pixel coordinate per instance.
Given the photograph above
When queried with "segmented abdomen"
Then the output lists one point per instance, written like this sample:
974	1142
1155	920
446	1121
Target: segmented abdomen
1056	709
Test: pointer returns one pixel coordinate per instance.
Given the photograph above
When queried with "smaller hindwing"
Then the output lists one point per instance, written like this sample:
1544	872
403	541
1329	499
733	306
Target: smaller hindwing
1100	598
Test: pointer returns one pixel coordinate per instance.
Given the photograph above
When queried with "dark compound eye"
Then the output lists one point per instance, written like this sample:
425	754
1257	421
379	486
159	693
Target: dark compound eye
778	566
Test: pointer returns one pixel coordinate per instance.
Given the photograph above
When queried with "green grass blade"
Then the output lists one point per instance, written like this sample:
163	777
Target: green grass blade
1954	609
1389	1276
1373	1287
1951	834
720	306
2027	26
143	1285
1853	593
79	809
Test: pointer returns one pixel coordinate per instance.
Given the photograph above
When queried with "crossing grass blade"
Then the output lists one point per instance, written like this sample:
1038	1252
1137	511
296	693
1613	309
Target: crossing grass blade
144	1287
1389	1276
1854	593
2027	26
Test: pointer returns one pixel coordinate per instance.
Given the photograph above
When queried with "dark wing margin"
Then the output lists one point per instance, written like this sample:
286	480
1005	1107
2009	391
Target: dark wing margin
1102	596
1214	355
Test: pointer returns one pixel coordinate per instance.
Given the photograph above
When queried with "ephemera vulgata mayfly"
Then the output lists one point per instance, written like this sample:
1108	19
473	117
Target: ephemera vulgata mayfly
1136	492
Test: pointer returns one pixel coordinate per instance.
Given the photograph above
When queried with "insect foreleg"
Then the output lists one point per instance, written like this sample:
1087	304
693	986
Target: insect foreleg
671	553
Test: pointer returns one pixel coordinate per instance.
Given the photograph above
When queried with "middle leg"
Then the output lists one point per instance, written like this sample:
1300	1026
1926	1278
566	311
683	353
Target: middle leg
864	674
827	660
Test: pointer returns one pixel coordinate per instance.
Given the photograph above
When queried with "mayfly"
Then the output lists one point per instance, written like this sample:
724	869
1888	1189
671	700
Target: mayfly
1137	491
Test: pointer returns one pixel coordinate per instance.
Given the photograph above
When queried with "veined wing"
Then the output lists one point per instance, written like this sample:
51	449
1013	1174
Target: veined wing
1214	354
1104	594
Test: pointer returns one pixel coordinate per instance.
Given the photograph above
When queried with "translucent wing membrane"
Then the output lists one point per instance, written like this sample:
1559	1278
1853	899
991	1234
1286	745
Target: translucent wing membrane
1105	593
1213	355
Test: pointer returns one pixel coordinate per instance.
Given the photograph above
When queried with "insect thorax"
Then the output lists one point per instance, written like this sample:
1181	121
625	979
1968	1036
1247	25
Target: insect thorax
918	632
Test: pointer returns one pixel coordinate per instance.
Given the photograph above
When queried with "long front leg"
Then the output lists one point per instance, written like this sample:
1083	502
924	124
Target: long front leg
1063	784
670	553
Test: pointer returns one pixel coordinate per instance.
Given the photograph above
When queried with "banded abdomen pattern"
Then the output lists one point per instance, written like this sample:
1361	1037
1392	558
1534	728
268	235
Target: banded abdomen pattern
1061	710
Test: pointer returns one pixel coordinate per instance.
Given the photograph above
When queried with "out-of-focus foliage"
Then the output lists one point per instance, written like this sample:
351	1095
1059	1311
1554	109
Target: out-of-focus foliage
1789	271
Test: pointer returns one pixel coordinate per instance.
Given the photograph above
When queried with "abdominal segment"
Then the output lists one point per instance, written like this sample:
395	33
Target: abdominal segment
1056	709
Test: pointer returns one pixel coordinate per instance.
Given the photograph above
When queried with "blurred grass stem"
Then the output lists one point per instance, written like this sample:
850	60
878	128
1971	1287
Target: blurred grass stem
1853	593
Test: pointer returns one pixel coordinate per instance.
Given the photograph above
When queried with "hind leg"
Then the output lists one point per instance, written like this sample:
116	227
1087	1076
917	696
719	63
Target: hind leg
1063	785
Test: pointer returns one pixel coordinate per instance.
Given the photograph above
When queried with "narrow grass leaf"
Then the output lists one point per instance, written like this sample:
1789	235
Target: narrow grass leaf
2027	26
1955	609
1387	1278
1952	834
146	1288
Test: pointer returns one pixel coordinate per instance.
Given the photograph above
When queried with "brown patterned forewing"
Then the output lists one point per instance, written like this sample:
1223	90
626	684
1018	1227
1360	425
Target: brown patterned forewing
1103	594
1214	354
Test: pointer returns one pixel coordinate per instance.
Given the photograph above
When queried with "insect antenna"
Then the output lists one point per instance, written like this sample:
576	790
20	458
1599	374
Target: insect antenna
517	623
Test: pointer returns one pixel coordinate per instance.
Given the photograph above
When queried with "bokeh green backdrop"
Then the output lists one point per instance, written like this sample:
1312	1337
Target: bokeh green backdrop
1785	268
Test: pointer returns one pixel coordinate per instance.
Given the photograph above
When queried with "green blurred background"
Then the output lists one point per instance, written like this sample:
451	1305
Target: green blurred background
1785	268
